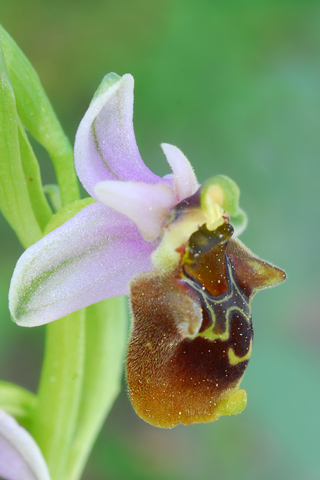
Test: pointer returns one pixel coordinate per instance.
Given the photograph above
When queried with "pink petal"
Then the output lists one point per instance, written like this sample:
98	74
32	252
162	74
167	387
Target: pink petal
146	204
20	456
89	258
105	146
185	181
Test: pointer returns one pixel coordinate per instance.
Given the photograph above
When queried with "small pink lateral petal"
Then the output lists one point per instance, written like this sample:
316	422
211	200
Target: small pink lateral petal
147	205
185	181
20	456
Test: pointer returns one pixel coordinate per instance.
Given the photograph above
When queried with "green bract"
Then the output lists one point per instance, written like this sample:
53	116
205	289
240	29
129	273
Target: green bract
18	402
15	202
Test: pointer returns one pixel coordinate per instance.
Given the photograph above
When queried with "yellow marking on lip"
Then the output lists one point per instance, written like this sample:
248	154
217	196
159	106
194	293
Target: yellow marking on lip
234	359
210	335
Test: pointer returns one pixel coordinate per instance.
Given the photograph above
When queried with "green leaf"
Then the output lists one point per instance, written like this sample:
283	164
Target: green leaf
106	337
14	195
32	175
53	192
18	402
38	116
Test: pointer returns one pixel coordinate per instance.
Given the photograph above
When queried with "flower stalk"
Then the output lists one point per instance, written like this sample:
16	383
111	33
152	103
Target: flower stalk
54	420
105	342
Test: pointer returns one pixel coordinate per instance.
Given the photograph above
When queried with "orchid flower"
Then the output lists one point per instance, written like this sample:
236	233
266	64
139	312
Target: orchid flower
20	456
170	239
93	256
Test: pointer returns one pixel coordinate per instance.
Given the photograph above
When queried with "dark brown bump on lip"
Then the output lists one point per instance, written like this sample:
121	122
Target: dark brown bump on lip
205	258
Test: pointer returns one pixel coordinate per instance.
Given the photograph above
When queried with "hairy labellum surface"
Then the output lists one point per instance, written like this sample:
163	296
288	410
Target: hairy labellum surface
192	333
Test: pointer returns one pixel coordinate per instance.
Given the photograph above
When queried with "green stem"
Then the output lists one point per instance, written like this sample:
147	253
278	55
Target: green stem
106	336
15	202
61	153
60	390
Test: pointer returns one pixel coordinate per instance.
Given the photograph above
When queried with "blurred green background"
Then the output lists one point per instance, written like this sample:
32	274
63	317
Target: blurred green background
236	85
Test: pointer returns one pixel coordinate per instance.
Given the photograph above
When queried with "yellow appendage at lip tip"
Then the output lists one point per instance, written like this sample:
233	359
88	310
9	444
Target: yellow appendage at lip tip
235	404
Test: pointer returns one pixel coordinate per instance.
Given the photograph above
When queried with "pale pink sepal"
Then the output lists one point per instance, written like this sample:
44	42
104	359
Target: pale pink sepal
185	181
89	258
146	204
20	456
105	146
